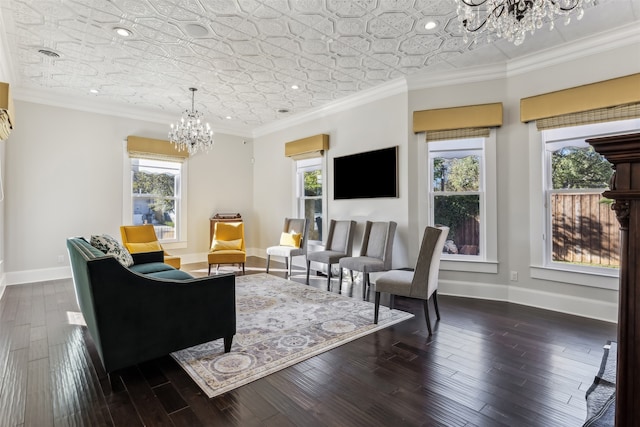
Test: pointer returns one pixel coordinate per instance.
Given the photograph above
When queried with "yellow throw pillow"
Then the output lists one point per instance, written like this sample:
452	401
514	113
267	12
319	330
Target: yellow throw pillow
290	239
228	245
135	248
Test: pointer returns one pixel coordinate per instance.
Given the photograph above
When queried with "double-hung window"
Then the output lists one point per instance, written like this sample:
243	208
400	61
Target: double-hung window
155	188
456	174
156	196
310	194
581	230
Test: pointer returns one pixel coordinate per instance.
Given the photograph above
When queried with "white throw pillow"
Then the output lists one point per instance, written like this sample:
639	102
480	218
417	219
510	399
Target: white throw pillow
111	246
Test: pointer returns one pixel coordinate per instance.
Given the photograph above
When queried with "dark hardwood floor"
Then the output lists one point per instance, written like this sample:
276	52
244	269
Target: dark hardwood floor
487	364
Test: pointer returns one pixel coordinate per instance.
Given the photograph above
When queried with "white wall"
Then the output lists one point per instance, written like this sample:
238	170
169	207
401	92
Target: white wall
378	124
64	175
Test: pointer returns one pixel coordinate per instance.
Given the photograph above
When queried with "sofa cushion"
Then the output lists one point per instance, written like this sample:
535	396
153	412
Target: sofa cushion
111	246
151	267
171	274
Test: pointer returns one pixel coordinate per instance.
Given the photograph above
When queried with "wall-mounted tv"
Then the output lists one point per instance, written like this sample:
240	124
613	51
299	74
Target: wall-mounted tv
366	175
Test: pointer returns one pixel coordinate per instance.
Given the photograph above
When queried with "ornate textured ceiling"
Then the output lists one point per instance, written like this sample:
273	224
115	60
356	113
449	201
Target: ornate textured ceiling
245	56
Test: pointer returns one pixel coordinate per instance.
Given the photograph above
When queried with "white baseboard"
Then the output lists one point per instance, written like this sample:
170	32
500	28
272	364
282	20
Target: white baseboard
473	290
40	275
573	305
578	306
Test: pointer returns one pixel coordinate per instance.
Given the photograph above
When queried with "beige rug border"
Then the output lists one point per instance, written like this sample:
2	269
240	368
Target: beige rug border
291	361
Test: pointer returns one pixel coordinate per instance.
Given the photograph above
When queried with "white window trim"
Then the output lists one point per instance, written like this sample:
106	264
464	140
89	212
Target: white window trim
488	264
297	191
127	205
539	269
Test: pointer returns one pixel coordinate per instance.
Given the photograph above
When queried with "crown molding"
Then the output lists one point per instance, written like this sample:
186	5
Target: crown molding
456	77
587	46
111	108
385	90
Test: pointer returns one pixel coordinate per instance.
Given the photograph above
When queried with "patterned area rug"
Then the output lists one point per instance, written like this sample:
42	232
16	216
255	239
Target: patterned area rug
279	323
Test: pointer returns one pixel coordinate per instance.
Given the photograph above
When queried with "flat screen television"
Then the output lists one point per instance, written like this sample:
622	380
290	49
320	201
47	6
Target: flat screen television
367	175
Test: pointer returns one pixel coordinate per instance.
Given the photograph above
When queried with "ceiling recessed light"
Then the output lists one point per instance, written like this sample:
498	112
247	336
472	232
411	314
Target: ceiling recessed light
295	87
94	90
430	25
49	53
228	117
123	32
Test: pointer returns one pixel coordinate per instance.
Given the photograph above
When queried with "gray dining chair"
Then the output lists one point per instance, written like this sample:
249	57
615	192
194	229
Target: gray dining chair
422	282
339	245
375	252
294	228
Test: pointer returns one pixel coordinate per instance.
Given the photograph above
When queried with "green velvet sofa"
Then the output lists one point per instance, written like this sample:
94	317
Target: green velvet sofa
149	309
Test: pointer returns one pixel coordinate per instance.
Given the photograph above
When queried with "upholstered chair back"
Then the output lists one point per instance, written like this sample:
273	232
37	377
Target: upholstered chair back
425	278
298	226
142	238
340	237
139	238
229	231
377	241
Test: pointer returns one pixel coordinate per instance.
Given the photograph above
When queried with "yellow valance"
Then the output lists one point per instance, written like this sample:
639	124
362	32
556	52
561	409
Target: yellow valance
139	146
469	116
307	148
7	113
605	94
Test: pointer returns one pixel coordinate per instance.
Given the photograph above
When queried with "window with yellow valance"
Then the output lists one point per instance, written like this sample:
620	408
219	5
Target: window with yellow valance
307	148
470	121
609	100
159	149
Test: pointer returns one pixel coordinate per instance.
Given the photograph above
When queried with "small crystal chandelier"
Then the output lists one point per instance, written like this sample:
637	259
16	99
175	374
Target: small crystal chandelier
512	19
190	133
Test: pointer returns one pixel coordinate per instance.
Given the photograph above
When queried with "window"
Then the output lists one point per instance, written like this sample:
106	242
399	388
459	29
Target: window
457	195
156	196
581	230
310	191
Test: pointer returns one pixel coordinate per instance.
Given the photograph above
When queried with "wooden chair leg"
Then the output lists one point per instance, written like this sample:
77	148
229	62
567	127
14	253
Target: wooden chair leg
286	265
217	268
435	303
268	261
377	307
340	280
426	316
243	268
209	270
308	270
329	277
392	301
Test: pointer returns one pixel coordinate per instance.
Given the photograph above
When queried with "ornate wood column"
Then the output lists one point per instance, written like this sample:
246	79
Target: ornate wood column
624	152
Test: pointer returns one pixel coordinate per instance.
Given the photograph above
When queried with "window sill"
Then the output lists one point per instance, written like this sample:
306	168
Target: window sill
469	266
594	280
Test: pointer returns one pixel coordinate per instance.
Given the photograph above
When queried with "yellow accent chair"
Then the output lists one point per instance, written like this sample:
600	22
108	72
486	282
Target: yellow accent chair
227	245
142	238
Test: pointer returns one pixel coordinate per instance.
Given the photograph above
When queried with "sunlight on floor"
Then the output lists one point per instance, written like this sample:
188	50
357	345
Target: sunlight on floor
75	318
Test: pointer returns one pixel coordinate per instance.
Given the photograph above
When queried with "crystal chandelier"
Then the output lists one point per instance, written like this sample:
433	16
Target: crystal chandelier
512	19
190	133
